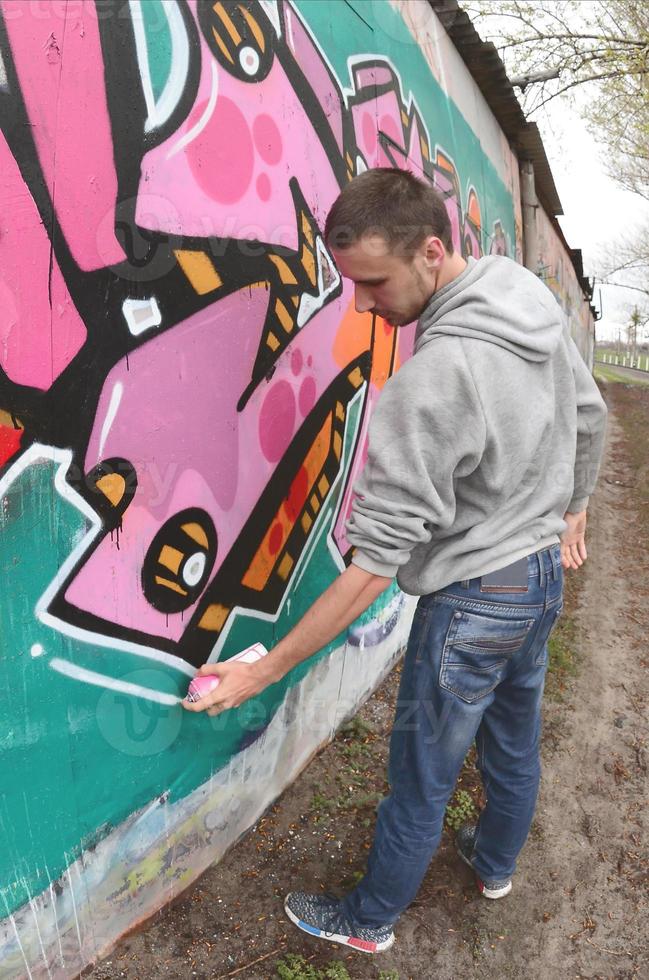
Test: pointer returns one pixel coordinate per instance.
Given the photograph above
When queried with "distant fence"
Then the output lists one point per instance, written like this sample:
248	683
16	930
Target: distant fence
639	362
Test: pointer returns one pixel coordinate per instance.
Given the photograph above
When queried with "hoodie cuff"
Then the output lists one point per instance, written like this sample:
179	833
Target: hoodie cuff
577	504
363	560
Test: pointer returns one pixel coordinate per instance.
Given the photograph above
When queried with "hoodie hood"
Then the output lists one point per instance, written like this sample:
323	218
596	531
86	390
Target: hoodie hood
498	301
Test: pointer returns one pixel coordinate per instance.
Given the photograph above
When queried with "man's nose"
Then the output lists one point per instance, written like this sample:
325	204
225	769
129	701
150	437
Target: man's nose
362	299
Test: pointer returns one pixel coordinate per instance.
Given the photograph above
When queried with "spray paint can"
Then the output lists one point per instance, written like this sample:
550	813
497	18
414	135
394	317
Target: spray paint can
204	684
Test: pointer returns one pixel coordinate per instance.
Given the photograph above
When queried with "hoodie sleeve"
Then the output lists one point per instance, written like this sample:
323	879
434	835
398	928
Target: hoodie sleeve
427	430
591	430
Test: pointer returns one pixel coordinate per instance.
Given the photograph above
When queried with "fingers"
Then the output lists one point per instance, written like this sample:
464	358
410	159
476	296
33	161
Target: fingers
205	704
573	553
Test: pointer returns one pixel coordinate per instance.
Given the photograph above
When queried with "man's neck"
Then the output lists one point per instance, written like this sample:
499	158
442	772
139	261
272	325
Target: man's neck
450	270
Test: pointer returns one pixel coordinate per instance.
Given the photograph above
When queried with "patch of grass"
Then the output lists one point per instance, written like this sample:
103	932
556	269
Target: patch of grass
294	967
460	809
606	372
322	806
563	659
356	727
355	750
632	409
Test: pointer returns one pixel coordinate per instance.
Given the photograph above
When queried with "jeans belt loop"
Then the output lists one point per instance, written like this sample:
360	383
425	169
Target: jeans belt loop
539	556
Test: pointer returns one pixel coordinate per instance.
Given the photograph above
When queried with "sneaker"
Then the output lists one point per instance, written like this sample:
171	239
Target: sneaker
322	916
465	843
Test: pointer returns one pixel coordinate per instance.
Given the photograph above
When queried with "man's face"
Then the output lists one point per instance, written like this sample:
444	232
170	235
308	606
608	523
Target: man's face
392	287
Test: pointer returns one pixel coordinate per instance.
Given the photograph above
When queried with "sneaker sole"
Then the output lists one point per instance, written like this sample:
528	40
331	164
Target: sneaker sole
482	888
362	945
493	892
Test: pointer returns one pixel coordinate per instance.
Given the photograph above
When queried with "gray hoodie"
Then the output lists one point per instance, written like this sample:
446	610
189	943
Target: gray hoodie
483	439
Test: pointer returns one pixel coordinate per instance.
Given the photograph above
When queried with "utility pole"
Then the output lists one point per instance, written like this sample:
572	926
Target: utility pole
529	204
632	333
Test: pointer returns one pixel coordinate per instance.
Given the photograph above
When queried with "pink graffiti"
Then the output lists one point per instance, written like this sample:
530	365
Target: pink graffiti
377	117
70	124
317	75
226	171
166	397
40	327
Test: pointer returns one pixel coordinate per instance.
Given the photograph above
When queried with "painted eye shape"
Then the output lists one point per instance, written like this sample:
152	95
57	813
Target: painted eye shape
178	563
240	36
112	485
194	568
249	60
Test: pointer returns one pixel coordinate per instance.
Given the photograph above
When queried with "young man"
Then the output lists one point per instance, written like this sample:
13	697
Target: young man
483	451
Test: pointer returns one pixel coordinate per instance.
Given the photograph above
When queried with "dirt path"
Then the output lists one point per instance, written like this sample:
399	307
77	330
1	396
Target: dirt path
580	904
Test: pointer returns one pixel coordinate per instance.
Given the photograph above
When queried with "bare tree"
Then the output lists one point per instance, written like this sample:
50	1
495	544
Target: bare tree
601	44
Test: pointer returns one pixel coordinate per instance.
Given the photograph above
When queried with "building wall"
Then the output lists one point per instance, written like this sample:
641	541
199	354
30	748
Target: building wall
184	396
558	273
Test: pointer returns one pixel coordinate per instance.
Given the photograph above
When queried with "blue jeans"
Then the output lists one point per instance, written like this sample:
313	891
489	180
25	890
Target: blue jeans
474	669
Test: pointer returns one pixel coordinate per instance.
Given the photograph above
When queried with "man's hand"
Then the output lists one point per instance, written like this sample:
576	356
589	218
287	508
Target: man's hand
346	598
239	681
573	541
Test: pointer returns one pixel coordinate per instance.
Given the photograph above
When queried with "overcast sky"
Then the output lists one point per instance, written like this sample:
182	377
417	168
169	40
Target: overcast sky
597	211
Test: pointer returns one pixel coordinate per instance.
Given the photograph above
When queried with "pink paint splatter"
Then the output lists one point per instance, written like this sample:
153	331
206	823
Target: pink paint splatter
277	421
210	155
306	398
389	126
369	133
263	187
267	139
297	361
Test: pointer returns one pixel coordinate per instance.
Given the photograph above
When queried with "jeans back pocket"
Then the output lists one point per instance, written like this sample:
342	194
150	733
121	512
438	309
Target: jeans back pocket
477	649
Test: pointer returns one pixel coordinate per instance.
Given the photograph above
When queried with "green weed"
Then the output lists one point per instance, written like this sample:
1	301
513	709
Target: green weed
461	809
562	658
606	372
294	967
356	727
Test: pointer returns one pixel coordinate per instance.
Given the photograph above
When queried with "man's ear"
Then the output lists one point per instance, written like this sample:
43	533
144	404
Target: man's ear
434	252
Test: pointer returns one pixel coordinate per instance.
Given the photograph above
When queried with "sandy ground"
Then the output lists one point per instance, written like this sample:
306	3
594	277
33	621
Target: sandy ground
580	903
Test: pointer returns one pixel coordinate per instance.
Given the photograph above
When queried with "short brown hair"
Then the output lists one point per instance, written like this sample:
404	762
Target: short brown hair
392	203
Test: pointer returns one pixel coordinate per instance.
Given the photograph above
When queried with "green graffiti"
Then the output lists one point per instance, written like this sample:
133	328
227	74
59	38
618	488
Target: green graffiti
159	45
84	757
76	758
376	27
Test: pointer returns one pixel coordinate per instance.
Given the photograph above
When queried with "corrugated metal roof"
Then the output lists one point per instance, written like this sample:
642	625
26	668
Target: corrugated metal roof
485	65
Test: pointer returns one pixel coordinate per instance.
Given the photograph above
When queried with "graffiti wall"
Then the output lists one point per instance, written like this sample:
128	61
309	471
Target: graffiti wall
557	271
185	389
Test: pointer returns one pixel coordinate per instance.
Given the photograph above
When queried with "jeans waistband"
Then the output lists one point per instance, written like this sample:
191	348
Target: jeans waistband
541	565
